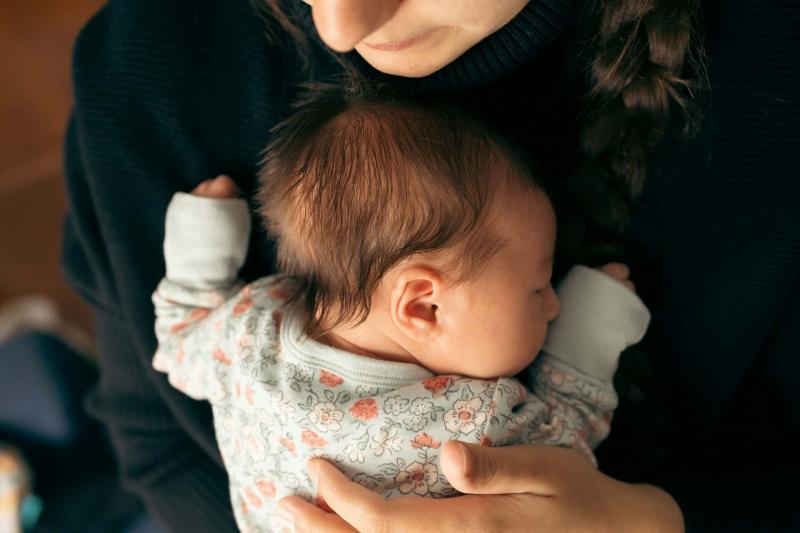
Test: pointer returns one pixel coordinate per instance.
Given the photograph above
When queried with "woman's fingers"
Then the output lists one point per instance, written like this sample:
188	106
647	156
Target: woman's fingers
619	272
527	468
356	504
220	187
303	517
368	512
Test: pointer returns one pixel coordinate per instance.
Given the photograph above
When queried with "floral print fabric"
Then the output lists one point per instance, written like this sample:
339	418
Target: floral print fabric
273	410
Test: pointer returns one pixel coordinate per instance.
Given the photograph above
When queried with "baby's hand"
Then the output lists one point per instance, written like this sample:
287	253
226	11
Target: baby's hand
619	272
219	187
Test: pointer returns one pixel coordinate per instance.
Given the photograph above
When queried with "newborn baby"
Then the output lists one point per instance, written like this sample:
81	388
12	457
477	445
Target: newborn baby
416	250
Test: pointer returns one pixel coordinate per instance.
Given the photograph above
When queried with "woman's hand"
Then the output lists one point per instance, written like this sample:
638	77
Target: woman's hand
619	272
515	488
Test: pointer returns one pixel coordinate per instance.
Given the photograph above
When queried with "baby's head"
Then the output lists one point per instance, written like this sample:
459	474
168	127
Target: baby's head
414	232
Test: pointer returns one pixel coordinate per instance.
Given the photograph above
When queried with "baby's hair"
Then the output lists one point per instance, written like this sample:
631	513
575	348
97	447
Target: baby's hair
361	177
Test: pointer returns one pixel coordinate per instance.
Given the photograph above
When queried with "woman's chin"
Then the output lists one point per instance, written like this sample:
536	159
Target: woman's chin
406	67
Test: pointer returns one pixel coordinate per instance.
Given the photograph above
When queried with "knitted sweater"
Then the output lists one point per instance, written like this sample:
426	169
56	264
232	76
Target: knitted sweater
171	93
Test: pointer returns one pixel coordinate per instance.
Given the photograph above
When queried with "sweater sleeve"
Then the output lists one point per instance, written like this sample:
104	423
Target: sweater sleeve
158	107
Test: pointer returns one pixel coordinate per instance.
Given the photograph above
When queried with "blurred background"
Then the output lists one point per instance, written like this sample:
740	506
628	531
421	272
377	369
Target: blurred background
36	41
56	468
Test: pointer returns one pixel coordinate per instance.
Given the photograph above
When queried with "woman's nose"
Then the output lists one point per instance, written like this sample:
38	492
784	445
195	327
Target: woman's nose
342	24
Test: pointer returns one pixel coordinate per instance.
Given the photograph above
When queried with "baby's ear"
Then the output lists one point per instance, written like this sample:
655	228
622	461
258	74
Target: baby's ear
415	302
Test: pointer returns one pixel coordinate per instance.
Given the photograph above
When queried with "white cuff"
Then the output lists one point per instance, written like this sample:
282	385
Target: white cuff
599	318
205	240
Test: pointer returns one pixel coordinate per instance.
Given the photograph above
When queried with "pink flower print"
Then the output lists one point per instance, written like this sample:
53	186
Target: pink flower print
278	292
329	378
247	340
326	417
312	440
437	384
288	443
417	478
423	440
251	497
353	452
277	318
181	353
242	306
554	429
248	394
194	315
465	416
220	356
254	445
486	441
364	409
266	487
387	441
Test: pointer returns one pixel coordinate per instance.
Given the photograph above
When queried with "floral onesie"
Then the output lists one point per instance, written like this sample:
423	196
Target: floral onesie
279	397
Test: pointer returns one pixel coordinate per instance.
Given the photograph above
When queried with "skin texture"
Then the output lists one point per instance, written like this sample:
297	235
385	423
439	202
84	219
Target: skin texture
379	30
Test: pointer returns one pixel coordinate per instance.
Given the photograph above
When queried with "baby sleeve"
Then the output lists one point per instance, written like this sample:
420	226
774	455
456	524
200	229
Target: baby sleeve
205	245
573	396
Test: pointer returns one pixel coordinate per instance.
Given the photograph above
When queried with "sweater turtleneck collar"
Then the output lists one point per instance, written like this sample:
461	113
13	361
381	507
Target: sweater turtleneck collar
526	36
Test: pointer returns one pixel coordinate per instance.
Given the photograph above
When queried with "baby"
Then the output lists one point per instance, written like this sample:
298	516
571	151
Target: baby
416	250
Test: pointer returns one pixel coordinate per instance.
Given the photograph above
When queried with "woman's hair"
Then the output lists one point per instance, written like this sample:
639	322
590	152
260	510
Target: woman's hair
360	177
640	63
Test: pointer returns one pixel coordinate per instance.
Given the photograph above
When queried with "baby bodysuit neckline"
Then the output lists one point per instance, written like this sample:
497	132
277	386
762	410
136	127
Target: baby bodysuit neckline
368	371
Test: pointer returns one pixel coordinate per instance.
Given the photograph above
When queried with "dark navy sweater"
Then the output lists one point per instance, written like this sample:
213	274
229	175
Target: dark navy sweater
169	93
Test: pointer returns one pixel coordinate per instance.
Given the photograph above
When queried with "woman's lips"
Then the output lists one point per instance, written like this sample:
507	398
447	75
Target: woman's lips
396	46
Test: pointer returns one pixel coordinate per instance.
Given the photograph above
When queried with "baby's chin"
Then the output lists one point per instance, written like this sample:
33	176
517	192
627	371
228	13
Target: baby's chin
526	362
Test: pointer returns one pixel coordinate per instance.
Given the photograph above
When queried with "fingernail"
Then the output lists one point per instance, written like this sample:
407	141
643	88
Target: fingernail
286	514
463	450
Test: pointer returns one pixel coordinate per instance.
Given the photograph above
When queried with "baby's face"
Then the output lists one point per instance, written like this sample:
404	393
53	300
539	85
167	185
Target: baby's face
501	321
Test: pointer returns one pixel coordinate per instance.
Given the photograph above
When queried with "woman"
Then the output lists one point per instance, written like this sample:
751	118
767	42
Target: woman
171	93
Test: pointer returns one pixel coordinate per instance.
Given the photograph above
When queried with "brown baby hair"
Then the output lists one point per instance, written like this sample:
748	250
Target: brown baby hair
361	177
640	66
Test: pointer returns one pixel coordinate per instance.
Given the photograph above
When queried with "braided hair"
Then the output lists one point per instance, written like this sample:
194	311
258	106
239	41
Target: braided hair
639	68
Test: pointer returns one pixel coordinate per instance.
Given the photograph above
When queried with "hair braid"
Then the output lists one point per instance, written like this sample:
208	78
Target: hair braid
638	89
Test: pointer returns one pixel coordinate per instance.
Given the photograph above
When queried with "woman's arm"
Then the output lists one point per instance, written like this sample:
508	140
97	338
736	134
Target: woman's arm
516	488
149	80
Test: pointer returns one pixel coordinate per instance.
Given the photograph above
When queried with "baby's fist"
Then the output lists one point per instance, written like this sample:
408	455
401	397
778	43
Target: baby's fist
219	187
619	272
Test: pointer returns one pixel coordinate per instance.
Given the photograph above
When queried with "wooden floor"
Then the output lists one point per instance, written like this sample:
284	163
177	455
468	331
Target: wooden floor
36	41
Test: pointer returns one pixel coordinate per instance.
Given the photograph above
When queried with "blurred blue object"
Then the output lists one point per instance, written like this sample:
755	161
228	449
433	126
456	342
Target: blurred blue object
144	524
43	385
